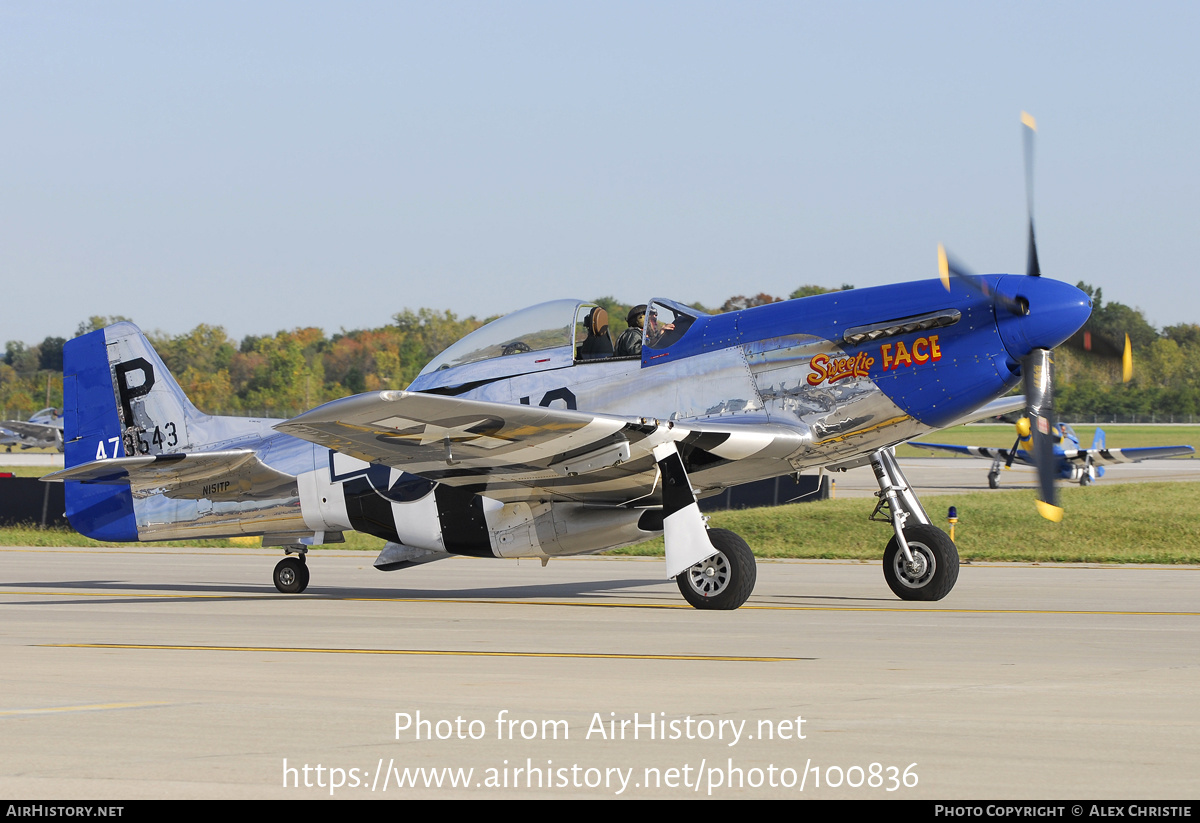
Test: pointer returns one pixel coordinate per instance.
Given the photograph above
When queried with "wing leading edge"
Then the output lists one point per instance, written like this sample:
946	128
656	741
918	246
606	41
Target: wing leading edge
1081	456
986	452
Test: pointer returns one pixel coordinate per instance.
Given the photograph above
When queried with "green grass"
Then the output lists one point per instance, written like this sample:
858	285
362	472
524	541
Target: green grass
1126	523
33	536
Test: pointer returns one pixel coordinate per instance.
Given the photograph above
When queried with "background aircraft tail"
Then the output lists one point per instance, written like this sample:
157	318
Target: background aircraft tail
1098	440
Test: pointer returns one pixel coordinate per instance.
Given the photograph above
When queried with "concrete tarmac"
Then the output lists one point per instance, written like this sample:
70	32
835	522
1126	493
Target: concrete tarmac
177	673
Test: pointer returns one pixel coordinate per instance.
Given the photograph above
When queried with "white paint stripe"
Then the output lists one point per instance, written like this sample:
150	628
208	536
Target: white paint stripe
741	445
664	450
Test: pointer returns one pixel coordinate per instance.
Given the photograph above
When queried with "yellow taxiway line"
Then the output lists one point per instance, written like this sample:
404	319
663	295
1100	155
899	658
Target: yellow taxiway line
430	652
593	604
94	707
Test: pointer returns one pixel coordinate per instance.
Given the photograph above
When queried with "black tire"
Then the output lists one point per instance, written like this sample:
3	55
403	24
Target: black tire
726	579
993	481
291	575
938	559
1086	480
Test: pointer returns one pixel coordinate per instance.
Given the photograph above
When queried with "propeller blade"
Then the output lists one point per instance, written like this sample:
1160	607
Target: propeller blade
1012	453
1032	267
1038	369
948	266
1127	362
1097	344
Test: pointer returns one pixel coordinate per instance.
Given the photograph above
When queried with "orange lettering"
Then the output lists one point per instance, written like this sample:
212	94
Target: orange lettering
916	351
832	370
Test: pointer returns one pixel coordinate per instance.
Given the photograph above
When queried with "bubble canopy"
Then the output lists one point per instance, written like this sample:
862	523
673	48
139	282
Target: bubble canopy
537	328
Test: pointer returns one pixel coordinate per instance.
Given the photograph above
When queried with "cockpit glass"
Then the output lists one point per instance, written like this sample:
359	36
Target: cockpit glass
546	326
665	324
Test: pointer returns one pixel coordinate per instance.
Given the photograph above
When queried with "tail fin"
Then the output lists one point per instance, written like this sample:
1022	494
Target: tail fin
123	393
119	401
1098	440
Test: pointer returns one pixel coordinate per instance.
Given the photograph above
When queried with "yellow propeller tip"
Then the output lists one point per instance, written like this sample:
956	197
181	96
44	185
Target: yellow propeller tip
1127	362
1053	513
1027	119
943	266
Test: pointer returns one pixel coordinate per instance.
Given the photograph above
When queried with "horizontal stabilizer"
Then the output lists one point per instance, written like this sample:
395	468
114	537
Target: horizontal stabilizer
235	474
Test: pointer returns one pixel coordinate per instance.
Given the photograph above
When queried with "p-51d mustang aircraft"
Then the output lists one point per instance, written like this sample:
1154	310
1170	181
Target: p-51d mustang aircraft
44	429
525	439
1072	463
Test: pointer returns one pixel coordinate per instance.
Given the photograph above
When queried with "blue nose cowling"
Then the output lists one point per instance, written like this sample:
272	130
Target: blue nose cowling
1056	311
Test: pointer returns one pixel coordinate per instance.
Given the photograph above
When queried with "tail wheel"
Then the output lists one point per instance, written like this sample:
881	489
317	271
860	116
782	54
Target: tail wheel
723	581
934	569
291	575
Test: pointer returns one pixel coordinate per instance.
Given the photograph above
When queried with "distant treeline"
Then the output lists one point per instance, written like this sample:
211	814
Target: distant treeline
287	372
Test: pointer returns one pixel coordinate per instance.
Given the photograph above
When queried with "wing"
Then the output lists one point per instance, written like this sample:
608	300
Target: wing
235	474
985	452
1110	456
517	452
32	431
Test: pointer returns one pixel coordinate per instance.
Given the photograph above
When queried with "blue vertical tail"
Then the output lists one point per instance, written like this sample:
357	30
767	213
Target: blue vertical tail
119	400
92	427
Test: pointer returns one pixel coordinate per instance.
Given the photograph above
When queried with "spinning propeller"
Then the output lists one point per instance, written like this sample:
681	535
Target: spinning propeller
1033	315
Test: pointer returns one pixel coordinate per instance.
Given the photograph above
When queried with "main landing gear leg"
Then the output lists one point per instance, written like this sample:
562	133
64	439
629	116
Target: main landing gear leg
291	573
920	561
713	568
994	475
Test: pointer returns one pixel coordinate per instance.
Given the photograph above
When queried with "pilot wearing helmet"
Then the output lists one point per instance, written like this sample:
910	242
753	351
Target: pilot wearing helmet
629	344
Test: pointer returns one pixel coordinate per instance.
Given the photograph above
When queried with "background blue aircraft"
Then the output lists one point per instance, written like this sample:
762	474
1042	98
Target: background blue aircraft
1071	462
43	429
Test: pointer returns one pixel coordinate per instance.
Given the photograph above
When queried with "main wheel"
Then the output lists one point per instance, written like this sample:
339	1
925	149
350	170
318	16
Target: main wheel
993	480
723	581
291	575
934	570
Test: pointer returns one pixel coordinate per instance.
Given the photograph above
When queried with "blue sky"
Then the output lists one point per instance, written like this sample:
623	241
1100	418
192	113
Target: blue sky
272	165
